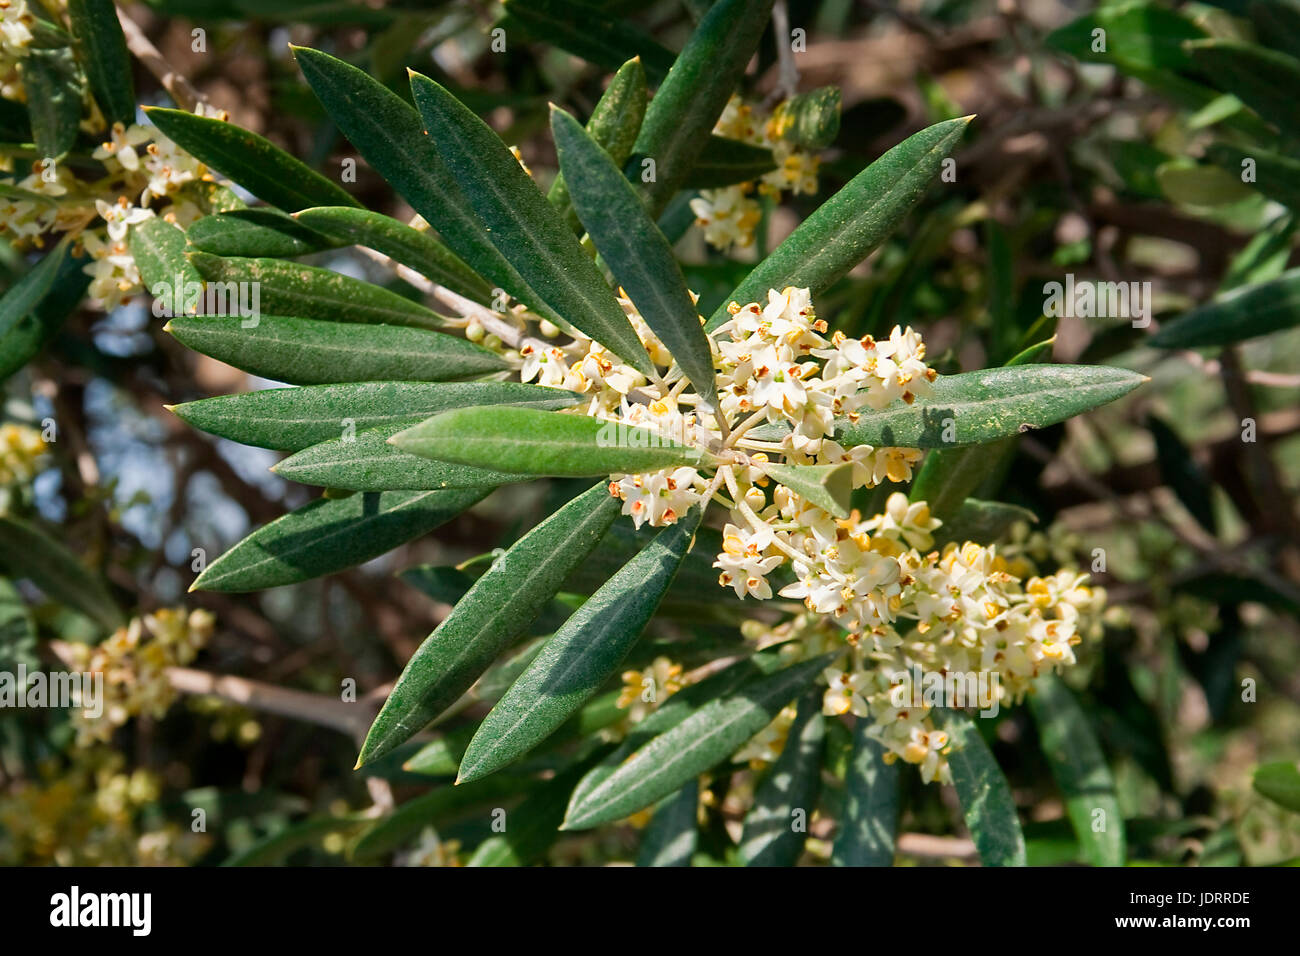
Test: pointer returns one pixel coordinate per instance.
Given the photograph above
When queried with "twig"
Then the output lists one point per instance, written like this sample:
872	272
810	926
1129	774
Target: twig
181	90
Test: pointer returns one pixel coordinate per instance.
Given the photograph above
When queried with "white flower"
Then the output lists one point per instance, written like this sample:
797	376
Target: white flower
120	216
121	145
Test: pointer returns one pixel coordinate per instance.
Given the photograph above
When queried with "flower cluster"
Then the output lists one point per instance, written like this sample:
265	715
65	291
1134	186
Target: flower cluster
134	662
16	23
730	215
21	452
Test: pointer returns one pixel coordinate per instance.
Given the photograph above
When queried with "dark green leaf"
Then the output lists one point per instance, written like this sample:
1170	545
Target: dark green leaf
981	521
1263	79
810	120
53	91
869	829
28	551
290	419
497	609
1143	35
635	250
34	307
329	535
102	49
671	837
984	794
849	225
588	31
252	161
316	352
258	233
271	850
158	248
1241	314
777	825
523	225
725	162
582	655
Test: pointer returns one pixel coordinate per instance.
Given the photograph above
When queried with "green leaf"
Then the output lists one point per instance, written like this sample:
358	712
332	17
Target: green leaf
101	47
990	404
704	739
635	250
497	610
725	162
671	837
672	712
33	308
770	836
53	89
28	551
252	161
869	828
1080	769
853	222
367	462
809	120
982	521
614	124
1279	782
400	242
582	655
1188	184
271	850
1140	34
260	233
17	630
691	98
598	36
331	534
1263	79
290	419
1183	474
158	248
524	226
829	487
533	442
391	137
1277	24
1243	313
317	352
291	288
984	794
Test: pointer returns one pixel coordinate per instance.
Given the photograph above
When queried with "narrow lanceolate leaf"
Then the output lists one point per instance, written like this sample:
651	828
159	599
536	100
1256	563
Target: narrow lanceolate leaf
391	137
690	99
497	610
442	805
21	331
27	551
534	442
290	288
725	162
367	462
829	487
331	534
252	161
400	242
704	739
976	407
869	827
1276	176
523	225
1244	313
614	124
672	835
316	352
53	91
853	222
272	850
290	419
158	248
102	50
984	794
777	825
258	233
584	29
672	712
1261	78
635	250
582	655
1080	769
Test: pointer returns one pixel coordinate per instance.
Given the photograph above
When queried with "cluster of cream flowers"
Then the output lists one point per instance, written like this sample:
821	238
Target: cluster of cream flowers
729	215
878	593
22	450
146	175
16	23
134	662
